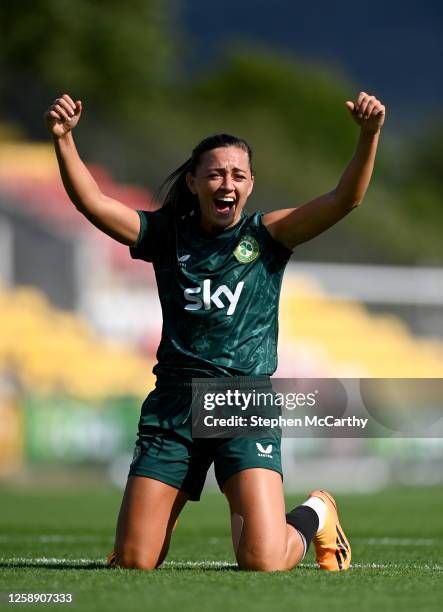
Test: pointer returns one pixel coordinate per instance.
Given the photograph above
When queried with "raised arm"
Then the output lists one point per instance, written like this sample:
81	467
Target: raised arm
292	226
111	216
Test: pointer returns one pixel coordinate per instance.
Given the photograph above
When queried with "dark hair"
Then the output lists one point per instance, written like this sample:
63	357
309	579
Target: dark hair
179	199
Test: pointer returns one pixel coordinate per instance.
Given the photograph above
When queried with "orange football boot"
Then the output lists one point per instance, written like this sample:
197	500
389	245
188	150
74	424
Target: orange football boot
332	549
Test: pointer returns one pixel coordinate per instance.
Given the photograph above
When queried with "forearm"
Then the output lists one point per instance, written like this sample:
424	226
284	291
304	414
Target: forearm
78	181
357	175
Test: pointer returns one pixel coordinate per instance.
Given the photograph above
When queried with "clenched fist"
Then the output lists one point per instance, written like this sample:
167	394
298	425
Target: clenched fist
63	115
367	112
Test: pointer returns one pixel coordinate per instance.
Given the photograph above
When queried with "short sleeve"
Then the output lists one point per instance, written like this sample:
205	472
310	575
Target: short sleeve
154	236
279	251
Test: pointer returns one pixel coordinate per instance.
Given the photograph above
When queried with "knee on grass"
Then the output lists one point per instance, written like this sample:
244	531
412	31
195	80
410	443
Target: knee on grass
256	560
135	560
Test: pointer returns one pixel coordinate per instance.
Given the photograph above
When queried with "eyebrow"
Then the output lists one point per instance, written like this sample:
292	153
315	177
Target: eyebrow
224	170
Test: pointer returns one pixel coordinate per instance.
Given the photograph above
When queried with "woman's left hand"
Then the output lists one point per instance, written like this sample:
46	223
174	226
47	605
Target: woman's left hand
367	112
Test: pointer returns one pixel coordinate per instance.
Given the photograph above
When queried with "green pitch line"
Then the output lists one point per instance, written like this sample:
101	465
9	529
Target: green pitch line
56	541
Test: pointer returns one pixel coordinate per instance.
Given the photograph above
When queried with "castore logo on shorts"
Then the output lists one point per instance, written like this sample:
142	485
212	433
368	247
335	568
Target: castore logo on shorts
264	452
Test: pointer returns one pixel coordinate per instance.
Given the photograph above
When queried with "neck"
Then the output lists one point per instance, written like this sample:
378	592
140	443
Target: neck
211	229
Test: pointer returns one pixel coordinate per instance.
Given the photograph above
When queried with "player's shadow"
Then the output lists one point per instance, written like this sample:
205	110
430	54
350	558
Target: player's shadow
95	565
55	565
230	567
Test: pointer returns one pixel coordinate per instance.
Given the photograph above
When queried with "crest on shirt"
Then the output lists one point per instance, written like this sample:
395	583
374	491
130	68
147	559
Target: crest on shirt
247	249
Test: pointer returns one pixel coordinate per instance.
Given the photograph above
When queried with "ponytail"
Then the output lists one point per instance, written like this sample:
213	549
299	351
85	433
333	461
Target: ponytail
179	200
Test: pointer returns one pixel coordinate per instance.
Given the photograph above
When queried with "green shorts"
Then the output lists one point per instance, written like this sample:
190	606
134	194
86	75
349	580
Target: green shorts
166	451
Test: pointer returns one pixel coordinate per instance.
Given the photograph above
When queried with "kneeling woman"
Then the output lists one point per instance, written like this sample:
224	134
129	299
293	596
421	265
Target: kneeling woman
219	272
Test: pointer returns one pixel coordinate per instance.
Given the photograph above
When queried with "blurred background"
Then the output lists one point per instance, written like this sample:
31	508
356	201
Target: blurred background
80	320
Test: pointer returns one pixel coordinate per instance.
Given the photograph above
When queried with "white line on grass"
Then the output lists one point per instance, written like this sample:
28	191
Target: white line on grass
202	564
49	560
73	538
209	564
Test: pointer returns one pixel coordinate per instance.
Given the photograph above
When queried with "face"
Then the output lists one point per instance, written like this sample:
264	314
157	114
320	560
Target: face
222	182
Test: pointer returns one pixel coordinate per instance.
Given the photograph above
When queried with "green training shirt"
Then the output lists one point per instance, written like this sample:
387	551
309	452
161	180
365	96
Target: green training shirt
219	295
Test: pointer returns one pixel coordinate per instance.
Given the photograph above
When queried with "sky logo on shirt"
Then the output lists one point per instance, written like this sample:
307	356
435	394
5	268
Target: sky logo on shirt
204	297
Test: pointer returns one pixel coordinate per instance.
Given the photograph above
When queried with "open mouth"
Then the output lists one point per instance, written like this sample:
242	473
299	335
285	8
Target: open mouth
224	205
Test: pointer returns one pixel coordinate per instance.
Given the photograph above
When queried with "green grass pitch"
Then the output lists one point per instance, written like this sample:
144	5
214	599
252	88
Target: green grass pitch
56	541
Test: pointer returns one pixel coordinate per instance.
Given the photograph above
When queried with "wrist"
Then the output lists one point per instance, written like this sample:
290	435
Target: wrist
370	132
63	138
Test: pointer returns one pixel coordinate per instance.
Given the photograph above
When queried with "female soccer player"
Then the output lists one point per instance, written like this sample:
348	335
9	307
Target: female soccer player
216	268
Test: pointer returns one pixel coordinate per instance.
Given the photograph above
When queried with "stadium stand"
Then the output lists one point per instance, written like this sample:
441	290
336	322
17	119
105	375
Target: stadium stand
55	352
29	176
340	338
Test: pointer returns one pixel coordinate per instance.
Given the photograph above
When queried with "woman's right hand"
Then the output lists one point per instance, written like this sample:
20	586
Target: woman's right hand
63	115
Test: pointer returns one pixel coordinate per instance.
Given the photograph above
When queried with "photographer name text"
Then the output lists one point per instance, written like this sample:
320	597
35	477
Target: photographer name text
281	422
